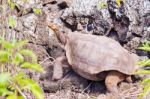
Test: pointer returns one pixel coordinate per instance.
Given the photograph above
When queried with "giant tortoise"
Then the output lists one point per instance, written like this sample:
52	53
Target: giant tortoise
95	58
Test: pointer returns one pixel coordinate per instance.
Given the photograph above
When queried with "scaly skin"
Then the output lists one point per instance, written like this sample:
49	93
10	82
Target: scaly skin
58	69
112	79
59	63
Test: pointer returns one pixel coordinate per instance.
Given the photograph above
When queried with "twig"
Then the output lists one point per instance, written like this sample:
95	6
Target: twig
46	60
87	87
131	93
21	92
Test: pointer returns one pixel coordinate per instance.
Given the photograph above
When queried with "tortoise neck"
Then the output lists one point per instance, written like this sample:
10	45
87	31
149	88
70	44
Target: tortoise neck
62	38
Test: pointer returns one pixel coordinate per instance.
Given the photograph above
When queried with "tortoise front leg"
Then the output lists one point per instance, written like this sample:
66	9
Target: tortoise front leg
112	79
58	67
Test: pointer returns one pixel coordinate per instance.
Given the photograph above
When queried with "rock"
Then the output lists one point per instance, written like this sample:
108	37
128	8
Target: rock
34	28
26	7
55	51
133	44
102	23
91	17
63	5
29	23
82	7
124	23
41	52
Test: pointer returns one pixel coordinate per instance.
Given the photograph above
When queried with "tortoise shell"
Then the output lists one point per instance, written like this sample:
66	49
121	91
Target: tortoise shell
93	56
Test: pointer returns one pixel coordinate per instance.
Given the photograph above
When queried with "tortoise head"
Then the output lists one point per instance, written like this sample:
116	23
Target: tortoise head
62	38
54	27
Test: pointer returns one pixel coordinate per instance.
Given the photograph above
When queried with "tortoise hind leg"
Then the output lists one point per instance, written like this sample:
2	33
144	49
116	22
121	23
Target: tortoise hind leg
112	79
58	67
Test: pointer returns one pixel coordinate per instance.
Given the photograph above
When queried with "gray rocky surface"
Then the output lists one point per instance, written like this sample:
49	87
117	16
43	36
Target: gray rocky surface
126	23
129	24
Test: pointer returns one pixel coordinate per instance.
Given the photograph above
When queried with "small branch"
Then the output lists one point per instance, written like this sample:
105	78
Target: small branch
46	60
21	92
86	87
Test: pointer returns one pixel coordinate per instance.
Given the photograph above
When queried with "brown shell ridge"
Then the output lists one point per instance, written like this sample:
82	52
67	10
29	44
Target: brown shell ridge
99	68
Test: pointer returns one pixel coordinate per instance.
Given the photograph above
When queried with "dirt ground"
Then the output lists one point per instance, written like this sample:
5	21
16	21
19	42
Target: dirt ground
126	91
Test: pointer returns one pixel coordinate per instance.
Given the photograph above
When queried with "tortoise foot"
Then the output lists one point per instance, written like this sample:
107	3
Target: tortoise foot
112	79
58	68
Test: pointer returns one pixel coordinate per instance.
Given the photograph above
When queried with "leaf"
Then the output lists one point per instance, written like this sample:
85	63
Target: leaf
11	4
12	22
37	11
145	92
4	91
144	62
14	44
18	59
146	81
4	56
20	44
143	72
19	76
9	1
29	53
33	87
118	2
7	44
35	67
4	78
103	5
145	48
14	97
17	5
146	44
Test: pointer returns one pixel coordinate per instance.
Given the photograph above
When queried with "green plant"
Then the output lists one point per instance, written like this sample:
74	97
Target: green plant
119	2
37	11
103	5
12	22
145	63
14	82
12	4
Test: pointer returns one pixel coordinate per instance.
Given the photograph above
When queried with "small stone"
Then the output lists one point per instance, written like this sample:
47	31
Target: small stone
63	5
